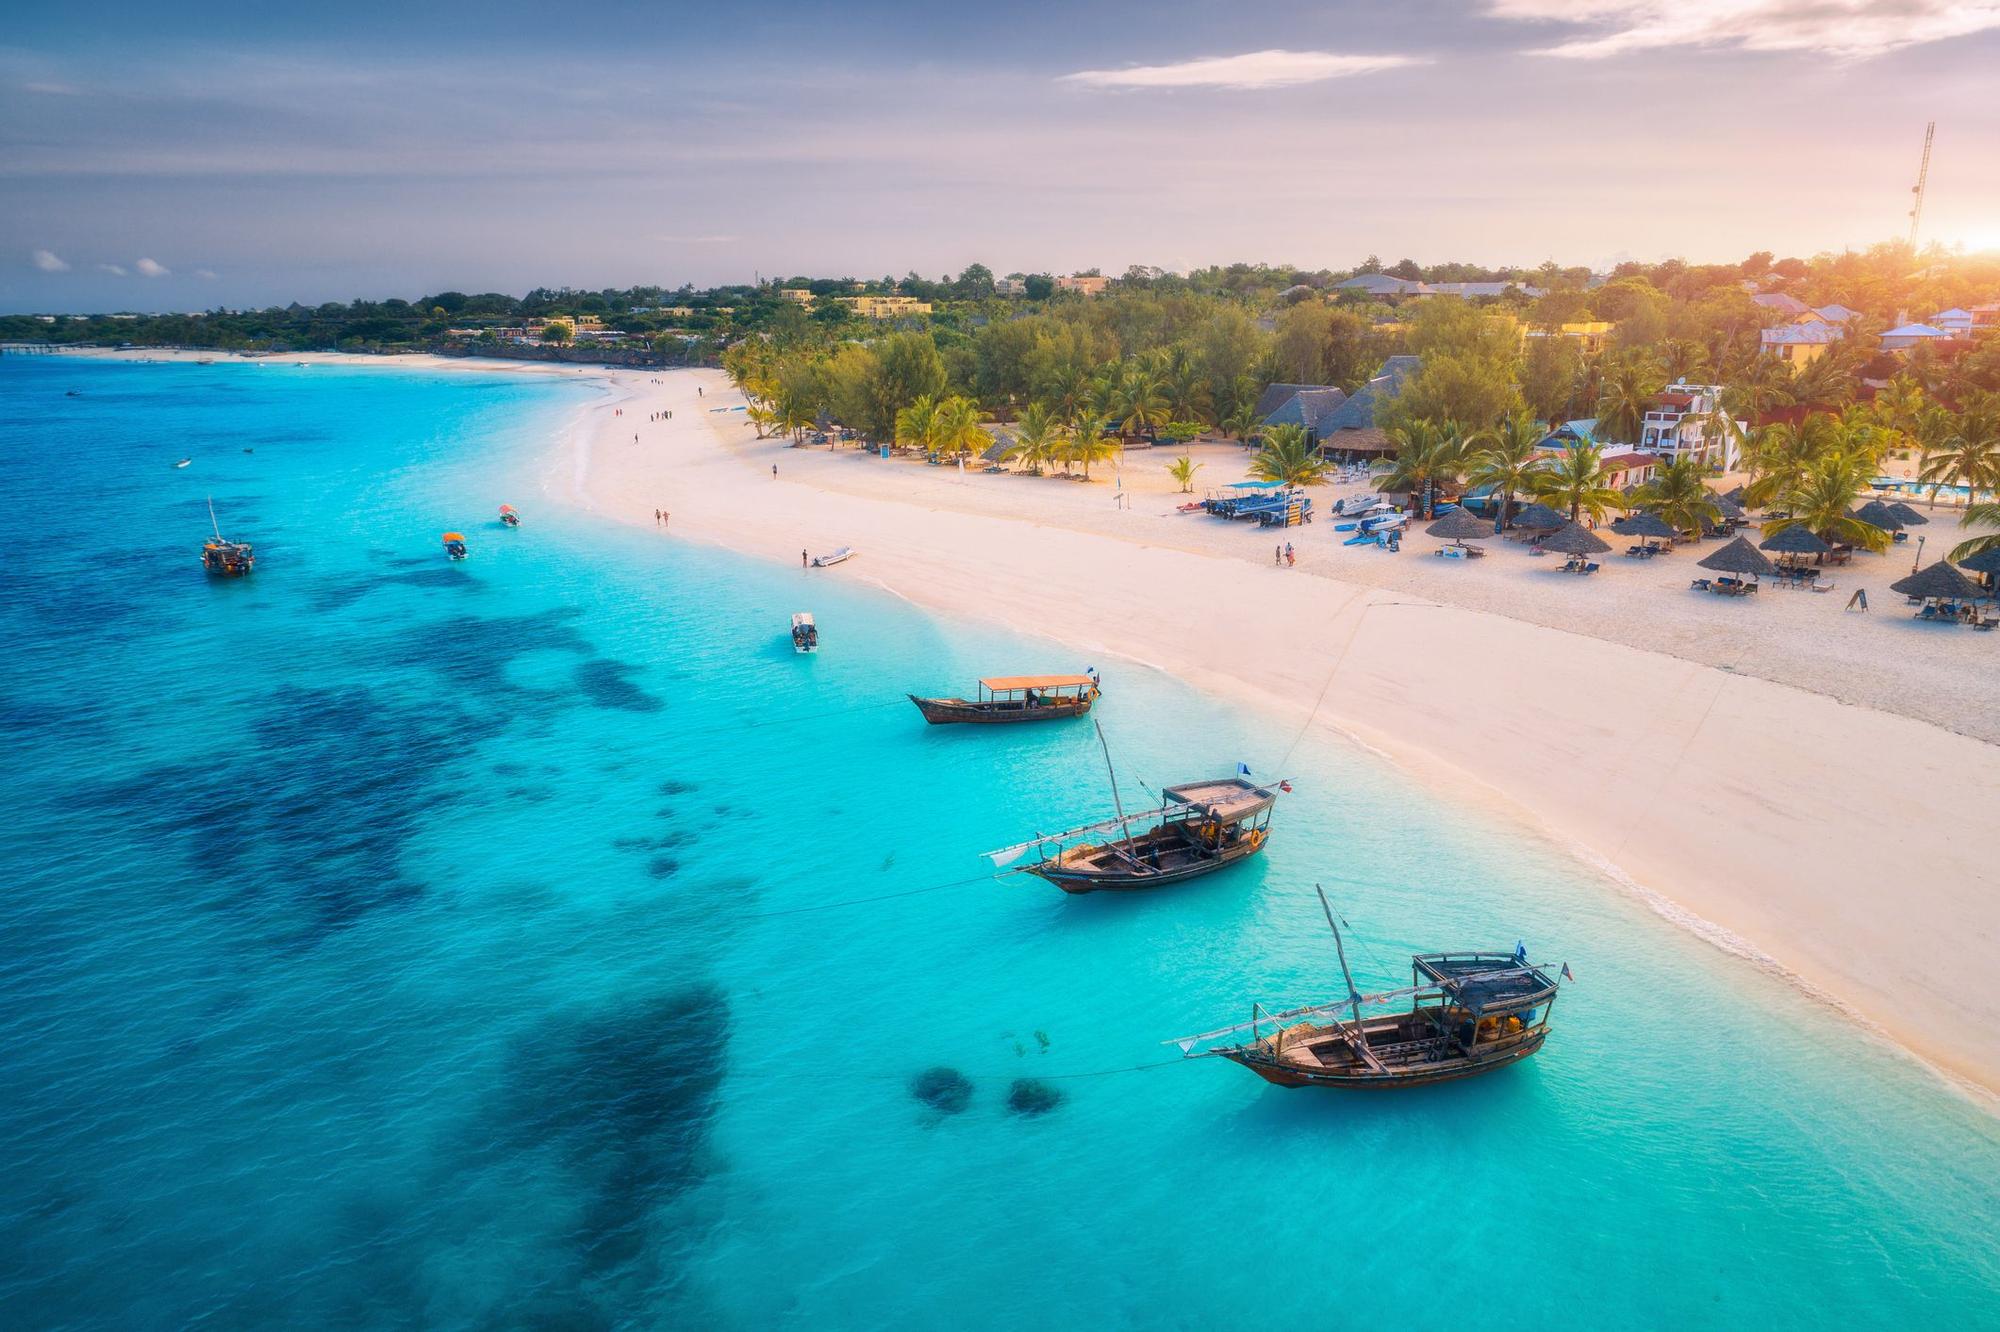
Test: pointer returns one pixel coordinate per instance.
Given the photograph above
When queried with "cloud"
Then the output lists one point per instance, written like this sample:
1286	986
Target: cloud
152	268
49	262
1843	29
1257	69
116	270
206	274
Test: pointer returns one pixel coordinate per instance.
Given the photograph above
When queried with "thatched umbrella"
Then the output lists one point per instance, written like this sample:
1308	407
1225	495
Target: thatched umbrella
1460	526
1739	557
1986	562
1878	514
1939	580
1539	516
1644	525
1735	496
1729	508
1910	517
1575	539
1794	540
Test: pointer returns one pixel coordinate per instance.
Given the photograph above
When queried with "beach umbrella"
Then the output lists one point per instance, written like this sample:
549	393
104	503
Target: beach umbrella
1939	580
1910	517
1794	540
1880	515
1734	496
1575	539
1728	507
997	451
1985	562
1539	516
1739	557
1643	525
1461	526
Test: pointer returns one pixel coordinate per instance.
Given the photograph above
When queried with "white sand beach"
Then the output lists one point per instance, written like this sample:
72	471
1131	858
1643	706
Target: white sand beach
1810	787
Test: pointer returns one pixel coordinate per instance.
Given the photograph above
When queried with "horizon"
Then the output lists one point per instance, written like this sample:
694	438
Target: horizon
247	158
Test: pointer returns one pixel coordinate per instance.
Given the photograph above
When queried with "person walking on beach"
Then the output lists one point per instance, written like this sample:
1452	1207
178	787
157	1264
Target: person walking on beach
656	517
1277	554
774	469
1290	559
803	561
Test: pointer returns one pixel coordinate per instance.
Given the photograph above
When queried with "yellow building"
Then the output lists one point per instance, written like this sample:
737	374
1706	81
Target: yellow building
886	307
1088	284
1593	334
796	295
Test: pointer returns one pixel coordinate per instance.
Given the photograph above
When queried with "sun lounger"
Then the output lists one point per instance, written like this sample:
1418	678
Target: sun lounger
1699	585
1822	587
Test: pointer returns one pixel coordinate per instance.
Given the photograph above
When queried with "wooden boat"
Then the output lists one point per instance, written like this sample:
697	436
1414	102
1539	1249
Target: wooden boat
508	516
827	561
1015	698
1469	1013
184	462
232	559
805	634
454	546
1201	827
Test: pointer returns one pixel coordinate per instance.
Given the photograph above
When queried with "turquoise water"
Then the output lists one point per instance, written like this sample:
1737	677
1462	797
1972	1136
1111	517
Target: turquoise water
396	943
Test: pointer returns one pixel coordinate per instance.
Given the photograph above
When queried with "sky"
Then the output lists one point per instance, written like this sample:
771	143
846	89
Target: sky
159	157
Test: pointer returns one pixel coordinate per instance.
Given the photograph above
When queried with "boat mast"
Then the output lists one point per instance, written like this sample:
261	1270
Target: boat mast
1340	949
211	518
1116	803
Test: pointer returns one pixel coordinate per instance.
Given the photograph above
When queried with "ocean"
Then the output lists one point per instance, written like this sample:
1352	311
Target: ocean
538	941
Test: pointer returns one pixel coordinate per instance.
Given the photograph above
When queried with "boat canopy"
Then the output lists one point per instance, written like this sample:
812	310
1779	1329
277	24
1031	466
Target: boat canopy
1230	799
1485	982
453	536
1255	485
1001	684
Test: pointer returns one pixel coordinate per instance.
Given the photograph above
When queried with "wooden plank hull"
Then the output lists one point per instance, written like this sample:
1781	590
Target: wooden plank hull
1286	1074
946	711
1080	880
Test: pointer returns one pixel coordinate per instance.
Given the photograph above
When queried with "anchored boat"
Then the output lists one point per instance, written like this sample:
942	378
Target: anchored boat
1015	698
454	546
1469	1013
232	559
508	516
805	634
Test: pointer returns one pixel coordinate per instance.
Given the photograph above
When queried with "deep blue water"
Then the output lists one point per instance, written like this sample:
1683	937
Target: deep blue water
394	943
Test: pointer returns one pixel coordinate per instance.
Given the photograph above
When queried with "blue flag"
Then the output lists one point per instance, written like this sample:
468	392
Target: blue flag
1242	769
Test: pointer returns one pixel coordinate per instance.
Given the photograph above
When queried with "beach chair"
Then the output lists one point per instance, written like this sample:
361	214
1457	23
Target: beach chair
1822	587
1699	585
1590	568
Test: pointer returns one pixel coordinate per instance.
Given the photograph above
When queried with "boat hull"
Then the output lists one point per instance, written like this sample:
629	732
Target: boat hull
947	711
1283	1074
1103	881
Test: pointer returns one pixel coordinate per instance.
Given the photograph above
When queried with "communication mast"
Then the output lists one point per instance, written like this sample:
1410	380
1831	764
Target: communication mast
1923	176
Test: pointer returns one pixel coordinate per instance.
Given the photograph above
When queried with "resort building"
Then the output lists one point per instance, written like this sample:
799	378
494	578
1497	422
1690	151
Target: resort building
1676	426
1986	319
1010	286
1350	428
1905	336
1626	469
1779	301
1954	322
886	307
1089	284
796	295
1310	406
1593	334
1800	344
1381	284
1835	314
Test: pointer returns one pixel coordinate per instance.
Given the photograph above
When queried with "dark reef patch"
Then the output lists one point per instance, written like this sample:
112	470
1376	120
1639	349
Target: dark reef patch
1032	1096
663	867
606	684
674	787
945	1090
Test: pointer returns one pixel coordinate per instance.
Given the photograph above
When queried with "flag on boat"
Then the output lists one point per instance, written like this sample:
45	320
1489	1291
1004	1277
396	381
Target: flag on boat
1285	786
1566	975
1242	769
1520	952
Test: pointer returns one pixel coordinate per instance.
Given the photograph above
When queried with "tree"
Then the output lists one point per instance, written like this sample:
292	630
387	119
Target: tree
1472	391
909	368
1551	373
973	284
1087	445
1970	455
1182	469
1511	462
558	331
1287	456
1984	514
1143	406
1243	422
1678	496
1781	454
1624	400
1821	502
955	428
1034	437
1576	480
1428	456
916	423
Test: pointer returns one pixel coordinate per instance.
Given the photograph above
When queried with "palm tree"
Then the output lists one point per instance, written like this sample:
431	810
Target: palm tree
1087	444
1576	478
1288	456
1243	422
1826	381
915	423
794	414
761	416
1821	500
1510	463
1970	455
1143	406
1769	386
1427	456
1983	514
1187	390
1624	400
955	428
1682	358
1182	469
1066	391
1678	497
1034	437
1781	454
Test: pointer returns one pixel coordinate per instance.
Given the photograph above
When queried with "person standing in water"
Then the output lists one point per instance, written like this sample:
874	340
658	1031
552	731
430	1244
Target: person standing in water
803	562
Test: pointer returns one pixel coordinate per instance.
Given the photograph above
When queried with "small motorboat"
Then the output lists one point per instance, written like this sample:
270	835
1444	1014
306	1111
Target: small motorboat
73	393
184	462
206	360
219	555
805	634
827	561
454	546
508	516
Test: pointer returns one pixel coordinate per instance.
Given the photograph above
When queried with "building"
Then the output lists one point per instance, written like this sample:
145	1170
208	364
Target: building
1835	314
1676	426
1986	319
1779	301
1593	334
1381	284
1087	283
1625	469
1954	322
1010	286
886	307
1799	344
1350	426
796	295
1310	406
1905	336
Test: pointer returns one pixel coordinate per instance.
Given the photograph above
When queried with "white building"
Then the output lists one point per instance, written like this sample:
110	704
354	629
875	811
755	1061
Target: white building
1674	426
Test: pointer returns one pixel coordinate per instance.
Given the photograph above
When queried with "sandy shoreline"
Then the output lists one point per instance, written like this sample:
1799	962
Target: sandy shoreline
1828	828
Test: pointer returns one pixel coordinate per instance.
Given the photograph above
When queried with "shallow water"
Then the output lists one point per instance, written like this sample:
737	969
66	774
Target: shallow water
397	943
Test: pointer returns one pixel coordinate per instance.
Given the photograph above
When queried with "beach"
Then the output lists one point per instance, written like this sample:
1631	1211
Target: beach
1803	786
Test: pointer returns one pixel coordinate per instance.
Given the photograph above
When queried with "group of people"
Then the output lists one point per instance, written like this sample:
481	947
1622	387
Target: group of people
660	517
1284	556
